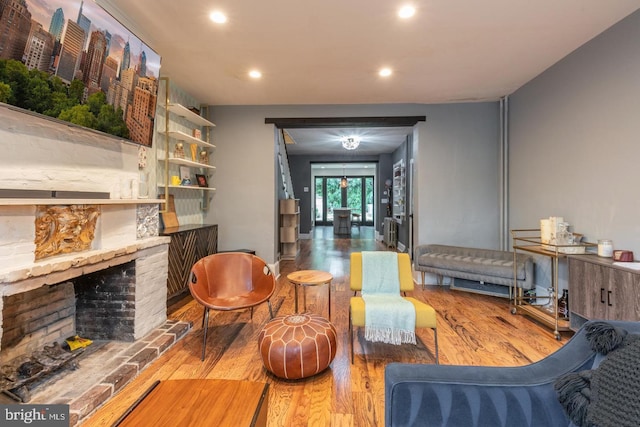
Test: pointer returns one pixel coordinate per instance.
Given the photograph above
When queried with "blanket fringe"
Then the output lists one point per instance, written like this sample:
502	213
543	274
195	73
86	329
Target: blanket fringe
389	335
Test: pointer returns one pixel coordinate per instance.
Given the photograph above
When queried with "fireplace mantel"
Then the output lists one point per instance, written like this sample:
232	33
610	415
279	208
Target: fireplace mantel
54	270
54	201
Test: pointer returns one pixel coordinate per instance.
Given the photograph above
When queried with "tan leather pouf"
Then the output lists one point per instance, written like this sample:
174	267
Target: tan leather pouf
298	345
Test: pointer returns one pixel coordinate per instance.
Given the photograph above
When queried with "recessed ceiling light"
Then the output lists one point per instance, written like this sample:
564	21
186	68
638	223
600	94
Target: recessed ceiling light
406	12
385	72
218	17
255	74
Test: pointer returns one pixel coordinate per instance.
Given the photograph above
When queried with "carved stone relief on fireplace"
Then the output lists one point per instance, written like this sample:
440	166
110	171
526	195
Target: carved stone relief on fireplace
62	229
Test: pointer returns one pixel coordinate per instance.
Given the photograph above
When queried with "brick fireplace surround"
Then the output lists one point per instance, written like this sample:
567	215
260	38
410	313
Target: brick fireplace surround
44	155
120	303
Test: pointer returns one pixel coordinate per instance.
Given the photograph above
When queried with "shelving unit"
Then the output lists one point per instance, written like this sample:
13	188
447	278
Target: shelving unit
289	228
399	187
529	240
176	115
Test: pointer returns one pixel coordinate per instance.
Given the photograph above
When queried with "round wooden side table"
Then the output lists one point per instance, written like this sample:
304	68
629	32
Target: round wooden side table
306	278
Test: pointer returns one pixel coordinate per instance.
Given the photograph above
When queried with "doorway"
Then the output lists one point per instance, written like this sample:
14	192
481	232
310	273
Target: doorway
358	195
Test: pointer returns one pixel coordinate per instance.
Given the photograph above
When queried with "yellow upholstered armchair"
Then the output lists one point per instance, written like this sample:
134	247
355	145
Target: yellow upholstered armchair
425	315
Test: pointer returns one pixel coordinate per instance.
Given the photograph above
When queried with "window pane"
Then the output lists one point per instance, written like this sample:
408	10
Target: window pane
319	198
368	200
334	196
354	195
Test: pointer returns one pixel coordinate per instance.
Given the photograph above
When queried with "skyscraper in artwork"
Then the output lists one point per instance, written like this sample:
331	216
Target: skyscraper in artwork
142	64
39	49
15	25
85	24
71	51
126	59
107	36
94	59
57	24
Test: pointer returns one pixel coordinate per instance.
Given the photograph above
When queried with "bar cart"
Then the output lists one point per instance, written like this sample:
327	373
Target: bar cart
529	240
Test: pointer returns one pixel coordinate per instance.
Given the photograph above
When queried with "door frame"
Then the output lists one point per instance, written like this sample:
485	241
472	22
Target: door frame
343	198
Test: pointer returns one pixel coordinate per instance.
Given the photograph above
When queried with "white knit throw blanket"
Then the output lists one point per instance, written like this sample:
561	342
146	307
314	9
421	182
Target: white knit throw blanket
389	318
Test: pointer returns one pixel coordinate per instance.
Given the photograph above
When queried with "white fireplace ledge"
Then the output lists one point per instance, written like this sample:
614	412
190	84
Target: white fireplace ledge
56	269
55	201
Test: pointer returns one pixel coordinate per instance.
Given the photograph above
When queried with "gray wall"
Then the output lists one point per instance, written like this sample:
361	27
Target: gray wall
456	183
575	141
245	180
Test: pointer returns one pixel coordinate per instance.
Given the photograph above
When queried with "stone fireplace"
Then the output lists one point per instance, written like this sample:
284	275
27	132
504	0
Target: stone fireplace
101	294
114	293
116	302
51	167
114	289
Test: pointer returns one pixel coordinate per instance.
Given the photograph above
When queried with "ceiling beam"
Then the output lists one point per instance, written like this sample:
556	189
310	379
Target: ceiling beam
332	122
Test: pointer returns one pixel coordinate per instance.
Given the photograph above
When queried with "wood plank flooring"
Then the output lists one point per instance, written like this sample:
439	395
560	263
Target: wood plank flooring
472	330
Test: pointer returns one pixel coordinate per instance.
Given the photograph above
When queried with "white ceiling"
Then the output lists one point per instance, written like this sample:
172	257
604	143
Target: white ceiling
321	141
329	52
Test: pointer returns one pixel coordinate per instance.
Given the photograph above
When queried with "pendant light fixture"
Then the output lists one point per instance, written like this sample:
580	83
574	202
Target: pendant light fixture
350	142
343	181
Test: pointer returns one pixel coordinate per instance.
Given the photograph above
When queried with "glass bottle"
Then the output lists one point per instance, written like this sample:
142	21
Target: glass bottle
563	304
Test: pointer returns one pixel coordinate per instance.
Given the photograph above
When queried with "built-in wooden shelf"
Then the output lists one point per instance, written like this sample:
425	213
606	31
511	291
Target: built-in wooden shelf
187	162
188	187
183	111
181	136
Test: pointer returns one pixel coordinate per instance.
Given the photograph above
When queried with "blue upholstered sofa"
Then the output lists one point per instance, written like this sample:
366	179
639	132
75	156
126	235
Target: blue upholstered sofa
466	396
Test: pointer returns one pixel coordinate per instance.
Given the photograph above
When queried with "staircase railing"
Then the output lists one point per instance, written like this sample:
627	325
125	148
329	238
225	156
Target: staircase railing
283	162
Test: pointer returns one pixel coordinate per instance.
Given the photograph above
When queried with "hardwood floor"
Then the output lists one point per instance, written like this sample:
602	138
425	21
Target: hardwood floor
472	330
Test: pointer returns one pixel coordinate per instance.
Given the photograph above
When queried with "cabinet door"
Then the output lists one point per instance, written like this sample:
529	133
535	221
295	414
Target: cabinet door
182	256
623	296
588	289
206	241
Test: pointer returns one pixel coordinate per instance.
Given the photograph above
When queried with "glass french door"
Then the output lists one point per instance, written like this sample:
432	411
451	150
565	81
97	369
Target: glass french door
358	196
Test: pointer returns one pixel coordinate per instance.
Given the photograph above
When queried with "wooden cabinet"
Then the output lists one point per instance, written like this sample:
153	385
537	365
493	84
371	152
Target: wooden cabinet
188	244
598	289
289	228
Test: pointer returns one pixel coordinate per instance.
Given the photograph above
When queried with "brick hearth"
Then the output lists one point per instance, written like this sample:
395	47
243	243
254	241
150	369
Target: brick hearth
115	296
105	368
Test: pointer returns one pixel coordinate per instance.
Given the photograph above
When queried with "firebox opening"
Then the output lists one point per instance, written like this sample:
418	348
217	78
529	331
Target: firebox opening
98	306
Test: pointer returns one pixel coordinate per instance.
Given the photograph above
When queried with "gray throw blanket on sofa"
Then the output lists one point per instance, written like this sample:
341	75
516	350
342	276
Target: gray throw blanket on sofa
609	395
